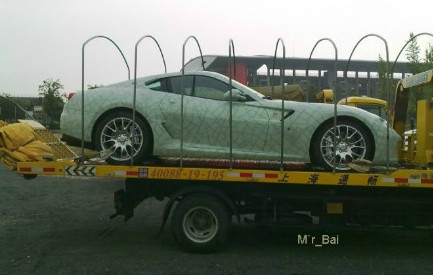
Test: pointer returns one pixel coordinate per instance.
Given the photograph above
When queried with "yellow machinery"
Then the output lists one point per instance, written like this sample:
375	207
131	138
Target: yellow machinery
370	104
325	96
418	145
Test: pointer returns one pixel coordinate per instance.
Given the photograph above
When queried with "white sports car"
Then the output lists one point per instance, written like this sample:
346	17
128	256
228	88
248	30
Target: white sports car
256	123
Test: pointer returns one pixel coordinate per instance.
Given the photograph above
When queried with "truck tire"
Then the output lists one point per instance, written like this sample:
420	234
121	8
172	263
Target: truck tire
201	223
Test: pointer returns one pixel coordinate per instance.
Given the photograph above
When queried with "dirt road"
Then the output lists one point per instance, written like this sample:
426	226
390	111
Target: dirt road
56	225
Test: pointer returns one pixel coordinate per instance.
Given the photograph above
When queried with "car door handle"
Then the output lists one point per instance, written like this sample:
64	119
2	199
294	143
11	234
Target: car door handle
172	101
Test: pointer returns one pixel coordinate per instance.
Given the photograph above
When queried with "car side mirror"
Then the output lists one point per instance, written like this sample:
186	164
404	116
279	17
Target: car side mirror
236	95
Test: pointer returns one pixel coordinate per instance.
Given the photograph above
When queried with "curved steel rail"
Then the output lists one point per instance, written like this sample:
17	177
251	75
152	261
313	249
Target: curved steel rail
231	49
82	80
404	46
135	86
183	90
335	89
282	72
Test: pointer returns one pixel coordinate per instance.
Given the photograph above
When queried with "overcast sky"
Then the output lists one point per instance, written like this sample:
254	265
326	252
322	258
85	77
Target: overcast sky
42	39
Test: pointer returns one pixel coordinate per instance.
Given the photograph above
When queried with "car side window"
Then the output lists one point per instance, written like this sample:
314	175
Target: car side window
210	88
175	84
158	85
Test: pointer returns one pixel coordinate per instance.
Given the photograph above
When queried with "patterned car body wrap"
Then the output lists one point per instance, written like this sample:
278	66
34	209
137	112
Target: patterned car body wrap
256	123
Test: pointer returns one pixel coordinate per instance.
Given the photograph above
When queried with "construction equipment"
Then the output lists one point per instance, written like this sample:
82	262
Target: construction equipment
418	145
370	104
325	96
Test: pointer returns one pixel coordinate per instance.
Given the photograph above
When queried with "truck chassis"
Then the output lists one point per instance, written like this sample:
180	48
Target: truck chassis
203	201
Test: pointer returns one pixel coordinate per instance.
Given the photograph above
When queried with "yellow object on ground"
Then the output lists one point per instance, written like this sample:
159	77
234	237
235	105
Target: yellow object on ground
37	151
19	143
15	135
60	149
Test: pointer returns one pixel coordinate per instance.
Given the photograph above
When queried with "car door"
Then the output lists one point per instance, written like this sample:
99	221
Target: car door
207	117
170	103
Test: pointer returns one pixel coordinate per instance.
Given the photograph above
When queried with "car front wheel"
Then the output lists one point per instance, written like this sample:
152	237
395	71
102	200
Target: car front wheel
349	142
117	133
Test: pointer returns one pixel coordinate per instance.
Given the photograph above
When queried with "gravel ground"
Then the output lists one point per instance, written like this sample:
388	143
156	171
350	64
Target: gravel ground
57	225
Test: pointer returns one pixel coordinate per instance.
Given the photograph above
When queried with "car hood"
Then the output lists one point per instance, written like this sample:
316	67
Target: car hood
322	111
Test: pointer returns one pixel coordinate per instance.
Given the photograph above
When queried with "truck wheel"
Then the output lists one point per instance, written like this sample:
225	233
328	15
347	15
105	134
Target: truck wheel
200	223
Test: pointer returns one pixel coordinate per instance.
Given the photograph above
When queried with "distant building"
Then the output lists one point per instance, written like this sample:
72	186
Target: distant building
362	76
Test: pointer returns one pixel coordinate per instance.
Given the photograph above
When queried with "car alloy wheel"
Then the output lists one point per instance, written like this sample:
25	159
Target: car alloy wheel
114	133
116	136
349	142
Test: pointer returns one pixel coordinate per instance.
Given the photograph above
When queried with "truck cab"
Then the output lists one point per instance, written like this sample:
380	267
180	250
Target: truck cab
370	104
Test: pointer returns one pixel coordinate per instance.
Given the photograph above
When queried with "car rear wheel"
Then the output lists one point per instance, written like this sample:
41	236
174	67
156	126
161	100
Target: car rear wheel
115	133
352	142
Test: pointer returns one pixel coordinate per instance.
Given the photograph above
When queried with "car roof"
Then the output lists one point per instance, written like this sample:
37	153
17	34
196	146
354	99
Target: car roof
127	84
206	73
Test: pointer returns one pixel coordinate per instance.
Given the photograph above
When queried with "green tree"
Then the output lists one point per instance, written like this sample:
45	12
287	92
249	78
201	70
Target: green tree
428	65
412	55
382	74
7	107
428	58
415	66
53	98
13	108
383	87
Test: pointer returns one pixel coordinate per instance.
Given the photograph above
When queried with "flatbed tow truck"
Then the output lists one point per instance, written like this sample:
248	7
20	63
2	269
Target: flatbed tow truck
206	195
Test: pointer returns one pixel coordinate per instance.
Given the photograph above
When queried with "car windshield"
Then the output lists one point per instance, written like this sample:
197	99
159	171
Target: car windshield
253	93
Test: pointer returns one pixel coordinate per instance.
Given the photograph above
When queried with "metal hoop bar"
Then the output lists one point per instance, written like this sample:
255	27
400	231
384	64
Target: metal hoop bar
183	91
387	84
282	72
335	89
82	80
135	86
231	49
404	46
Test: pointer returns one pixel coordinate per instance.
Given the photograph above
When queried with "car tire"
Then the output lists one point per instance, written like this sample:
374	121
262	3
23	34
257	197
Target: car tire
353	142
201	223
114	133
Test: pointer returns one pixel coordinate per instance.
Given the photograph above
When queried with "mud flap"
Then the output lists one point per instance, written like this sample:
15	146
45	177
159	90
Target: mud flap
123	205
